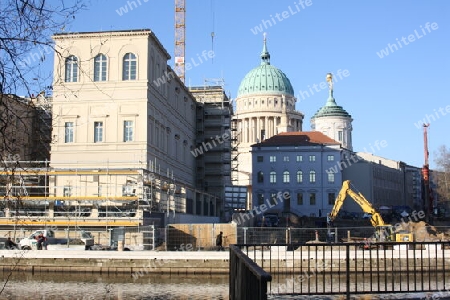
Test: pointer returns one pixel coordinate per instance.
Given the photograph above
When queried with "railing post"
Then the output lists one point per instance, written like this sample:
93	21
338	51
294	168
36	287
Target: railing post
153	237
335	235
347	270
245	234
166	235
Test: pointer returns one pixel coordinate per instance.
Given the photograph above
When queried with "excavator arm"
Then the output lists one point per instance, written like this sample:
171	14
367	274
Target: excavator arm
365	205
339	200
384	232
376	219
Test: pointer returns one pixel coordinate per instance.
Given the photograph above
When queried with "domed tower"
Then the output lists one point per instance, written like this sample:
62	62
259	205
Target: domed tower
265	106
333	121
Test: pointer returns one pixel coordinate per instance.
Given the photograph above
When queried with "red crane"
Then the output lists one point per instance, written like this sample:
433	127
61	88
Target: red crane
428	195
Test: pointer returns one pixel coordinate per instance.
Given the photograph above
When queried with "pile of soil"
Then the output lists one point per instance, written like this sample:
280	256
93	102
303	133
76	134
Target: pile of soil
424	232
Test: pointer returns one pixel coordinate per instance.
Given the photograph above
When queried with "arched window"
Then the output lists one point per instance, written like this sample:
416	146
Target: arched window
260	197
260	177
71	72
273	177
286	177
299	198
299	176
129	67
312	176
100	62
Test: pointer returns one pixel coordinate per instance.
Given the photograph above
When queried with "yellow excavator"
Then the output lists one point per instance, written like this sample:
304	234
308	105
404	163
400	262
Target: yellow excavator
384	232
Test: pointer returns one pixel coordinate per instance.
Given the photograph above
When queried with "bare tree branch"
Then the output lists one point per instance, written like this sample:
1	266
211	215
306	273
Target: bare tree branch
26	29
442	174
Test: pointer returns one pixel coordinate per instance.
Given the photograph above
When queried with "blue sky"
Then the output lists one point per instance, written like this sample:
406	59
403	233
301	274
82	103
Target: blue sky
389	94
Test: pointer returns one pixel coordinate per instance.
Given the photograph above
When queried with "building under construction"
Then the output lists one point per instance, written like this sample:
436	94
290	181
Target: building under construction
124	135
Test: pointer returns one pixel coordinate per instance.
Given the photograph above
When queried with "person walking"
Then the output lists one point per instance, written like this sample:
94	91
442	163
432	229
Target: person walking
41	242
219	240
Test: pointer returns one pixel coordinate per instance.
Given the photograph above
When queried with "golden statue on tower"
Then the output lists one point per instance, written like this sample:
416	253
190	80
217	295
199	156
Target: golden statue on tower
330	81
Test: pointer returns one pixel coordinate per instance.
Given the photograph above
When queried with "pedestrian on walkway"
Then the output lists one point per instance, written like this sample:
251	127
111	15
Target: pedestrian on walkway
219	240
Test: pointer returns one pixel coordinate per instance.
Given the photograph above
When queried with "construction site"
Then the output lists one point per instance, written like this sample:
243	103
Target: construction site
157	155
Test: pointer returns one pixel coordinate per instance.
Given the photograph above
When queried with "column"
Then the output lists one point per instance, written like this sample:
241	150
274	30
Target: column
266	126
247	130
258	130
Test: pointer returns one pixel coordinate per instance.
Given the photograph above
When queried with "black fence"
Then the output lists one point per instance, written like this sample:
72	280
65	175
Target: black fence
349	268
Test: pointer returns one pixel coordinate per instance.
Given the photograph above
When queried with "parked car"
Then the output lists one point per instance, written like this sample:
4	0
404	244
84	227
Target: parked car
367	216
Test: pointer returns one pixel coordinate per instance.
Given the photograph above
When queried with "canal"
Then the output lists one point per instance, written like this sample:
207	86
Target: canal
89	287
57	286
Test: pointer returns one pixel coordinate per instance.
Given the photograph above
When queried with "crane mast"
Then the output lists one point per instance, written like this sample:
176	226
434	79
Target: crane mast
428	198
180	36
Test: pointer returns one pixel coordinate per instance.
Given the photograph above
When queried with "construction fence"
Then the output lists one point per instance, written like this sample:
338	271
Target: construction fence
195	237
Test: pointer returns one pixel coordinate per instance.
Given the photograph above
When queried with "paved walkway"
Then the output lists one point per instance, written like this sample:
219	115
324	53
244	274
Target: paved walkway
163	255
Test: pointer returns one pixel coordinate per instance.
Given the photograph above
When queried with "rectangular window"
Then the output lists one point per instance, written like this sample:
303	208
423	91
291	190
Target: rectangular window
330	157
98	132
330	177
340	136
312	158
331	198
299	158
312	199
260	158
127	131
286	158
300	199
273	158
67	192
68	132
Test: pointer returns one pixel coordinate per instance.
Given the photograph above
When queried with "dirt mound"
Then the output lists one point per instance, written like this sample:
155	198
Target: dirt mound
424	232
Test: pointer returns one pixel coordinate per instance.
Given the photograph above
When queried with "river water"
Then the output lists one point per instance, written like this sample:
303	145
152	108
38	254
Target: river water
59	286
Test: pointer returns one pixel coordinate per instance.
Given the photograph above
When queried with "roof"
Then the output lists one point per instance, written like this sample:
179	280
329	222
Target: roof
265	79
130	32
298	138
331	109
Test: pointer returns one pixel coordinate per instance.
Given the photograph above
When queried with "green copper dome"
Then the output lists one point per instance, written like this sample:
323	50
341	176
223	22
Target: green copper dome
265	79
331	109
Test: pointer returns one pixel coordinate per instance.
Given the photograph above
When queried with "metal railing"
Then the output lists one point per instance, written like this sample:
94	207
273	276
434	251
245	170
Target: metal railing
248	281
351	268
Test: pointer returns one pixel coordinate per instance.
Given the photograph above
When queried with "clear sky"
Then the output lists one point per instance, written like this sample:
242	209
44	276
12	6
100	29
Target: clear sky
396	54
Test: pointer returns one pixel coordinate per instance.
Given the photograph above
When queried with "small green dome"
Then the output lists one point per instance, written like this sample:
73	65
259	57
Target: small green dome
265	79
331	109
